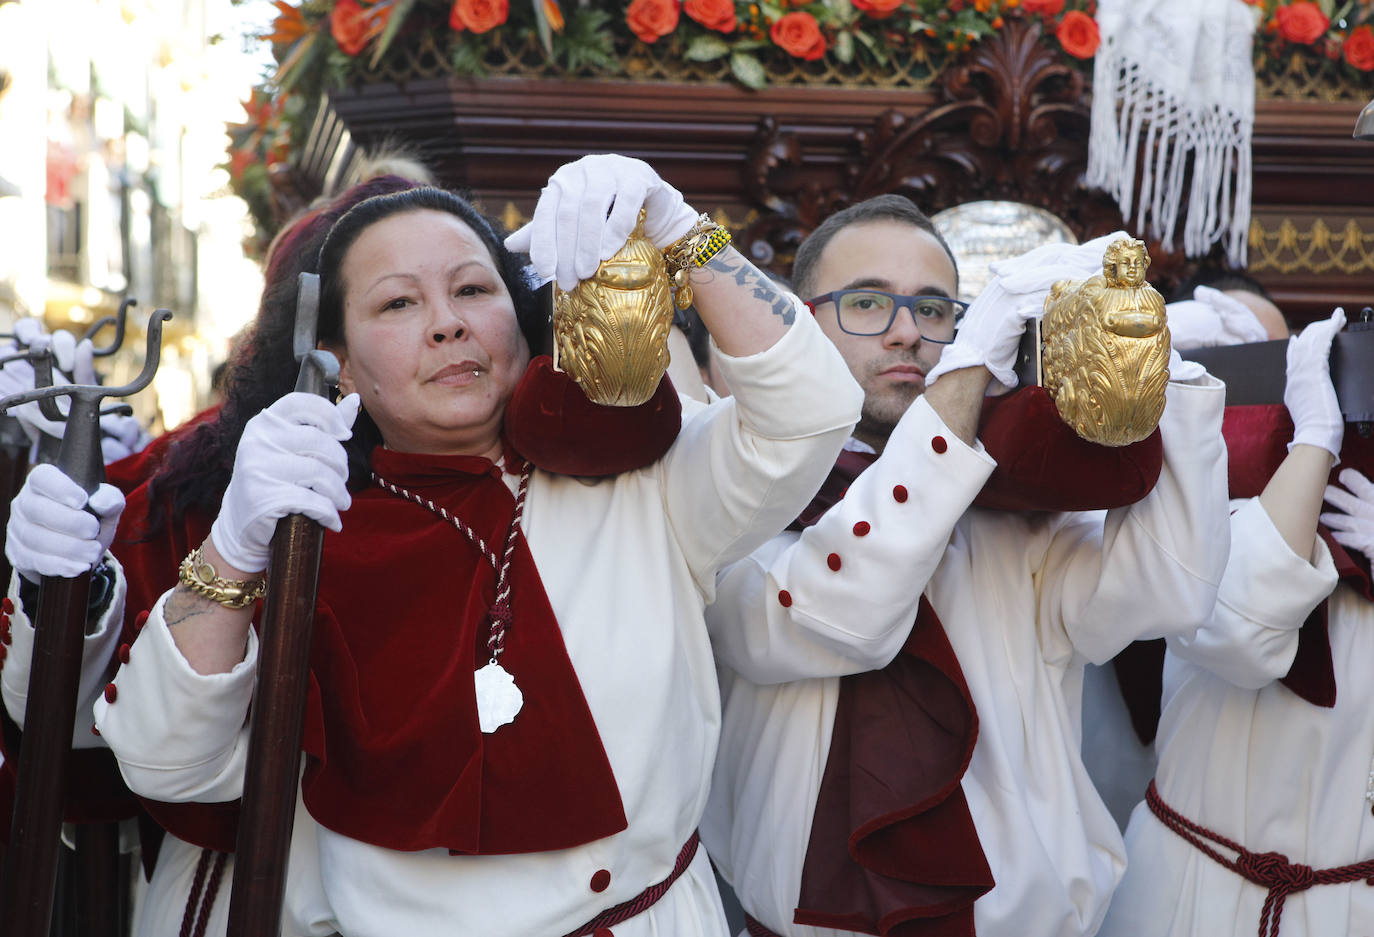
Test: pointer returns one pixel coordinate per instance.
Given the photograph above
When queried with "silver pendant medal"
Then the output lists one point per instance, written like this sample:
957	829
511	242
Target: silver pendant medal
498	698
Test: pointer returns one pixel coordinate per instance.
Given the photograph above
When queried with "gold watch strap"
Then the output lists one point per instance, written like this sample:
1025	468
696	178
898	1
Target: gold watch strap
200	576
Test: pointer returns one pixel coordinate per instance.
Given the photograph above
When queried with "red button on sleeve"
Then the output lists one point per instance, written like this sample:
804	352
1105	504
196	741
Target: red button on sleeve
601	880
938	444
140	620
861	529
785	599
833	561
124	653
899	494
110	692
7	605
602	932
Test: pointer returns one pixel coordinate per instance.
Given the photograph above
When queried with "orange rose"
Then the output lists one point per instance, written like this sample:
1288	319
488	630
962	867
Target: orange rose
478	15
1044	7
1359	48
349	25
713	14
1302	22
878	8
1077	33
799	35
652	19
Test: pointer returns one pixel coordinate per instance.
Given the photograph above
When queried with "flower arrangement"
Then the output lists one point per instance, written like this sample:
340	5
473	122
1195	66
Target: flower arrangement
323	44
1341	31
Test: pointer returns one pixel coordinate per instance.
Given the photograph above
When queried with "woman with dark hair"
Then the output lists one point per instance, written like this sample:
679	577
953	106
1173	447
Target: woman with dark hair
514	709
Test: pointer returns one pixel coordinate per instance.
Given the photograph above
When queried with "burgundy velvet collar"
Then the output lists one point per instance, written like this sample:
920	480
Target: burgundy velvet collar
893	848
395	756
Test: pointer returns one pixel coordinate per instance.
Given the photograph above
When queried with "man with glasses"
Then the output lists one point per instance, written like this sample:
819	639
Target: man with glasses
901	672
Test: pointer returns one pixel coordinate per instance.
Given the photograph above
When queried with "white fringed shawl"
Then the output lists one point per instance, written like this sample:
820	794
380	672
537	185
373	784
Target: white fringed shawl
1177	76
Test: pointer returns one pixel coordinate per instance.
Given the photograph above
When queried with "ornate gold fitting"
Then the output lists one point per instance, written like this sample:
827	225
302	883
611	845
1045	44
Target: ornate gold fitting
611	332
197	574
1106	349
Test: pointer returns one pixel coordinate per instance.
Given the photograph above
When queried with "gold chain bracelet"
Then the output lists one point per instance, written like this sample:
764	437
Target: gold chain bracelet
197	574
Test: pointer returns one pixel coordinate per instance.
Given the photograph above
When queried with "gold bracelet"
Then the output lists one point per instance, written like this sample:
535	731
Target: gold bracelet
197	574
703	241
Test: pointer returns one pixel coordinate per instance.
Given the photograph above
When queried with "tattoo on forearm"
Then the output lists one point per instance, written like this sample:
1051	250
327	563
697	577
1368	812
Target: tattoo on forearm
732	264
183	605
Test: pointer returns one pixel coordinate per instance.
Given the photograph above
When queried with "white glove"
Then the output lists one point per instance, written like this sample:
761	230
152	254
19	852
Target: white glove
51	533
290	461
588	210
70	357
1308	394
1181	371
991	329
1212	318
1355	527
120	437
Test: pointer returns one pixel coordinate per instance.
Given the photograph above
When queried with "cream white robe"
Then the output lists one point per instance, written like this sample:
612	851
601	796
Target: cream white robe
1244	756
628	563
1024	598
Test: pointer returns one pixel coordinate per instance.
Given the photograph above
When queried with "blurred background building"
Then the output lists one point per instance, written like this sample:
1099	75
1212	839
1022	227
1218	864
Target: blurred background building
112	124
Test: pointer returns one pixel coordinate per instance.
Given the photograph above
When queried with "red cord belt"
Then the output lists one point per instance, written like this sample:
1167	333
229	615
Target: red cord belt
199	903
645	899
1271	870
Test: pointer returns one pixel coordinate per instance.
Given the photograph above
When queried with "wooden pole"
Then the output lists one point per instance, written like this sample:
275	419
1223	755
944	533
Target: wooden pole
272	770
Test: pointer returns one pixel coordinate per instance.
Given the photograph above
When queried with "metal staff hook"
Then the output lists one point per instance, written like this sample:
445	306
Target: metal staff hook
119	320
60	625
277	722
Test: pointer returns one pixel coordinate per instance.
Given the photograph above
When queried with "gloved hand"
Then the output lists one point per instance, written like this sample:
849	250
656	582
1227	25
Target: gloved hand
1308	393
1181	371
71	357
991	329
289	461
1212	318
1355	527
587	211
120	437
51	533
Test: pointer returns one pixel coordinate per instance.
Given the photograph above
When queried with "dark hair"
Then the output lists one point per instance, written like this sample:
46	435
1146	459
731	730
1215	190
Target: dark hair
879	208
1220	279
346	231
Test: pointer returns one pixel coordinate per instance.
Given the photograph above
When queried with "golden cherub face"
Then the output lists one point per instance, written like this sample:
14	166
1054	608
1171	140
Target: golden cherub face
1125	262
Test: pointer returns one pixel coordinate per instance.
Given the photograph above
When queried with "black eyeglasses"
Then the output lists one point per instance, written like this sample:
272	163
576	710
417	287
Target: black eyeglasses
872	312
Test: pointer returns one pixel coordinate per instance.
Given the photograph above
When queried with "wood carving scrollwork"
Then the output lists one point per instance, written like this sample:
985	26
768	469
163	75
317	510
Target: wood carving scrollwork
1011	123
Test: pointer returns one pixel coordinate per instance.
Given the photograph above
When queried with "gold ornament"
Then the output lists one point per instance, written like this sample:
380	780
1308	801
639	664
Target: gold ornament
611	331
200	576
1106	349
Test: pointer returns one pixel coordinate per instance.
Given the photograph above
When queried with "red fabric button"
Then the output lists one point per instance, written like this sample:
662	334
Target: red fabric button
785	599
4	619
140	620
124	653
602	932
94	731
7	605
861	529
110	692
938	444
833	561
899	493
601	880
5	636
